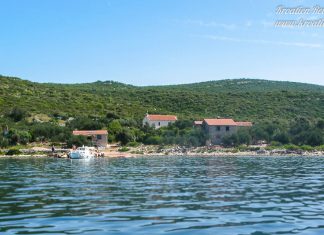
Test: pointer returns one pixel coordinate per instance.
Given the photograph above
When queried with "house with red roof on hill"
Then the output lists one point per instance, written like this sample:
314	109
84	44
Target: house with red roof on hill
218	128
157	120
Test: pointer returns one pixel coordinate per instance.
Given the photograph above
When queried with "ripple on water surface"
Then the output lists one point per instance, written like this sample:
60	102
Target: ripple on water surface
163	195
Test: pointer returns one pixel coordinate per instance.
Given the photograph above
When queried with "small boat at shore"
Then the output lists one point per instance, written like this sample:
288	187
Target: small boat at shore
82	153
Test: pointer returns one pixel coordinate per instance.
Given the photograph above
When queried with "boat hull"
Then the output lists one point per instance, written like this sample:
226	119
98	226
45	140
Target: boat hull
75	155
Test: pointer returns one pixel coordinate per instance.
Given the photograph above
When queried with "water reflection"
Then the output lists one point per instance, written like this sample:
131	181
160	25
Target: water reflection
174	195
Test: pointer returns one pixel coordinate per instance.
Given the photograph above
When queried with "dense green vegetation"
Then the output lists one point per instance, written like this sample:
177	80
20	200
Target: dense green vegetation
37	111
300	132
241	99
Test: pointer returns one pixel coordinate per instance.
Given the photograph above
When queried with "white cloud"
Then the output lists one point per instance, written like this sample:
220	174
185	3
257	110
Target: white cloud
260	41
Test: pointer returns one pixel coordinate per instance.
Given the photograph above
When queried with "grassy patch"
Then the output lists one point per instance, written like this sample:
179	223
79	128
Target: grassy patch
123	149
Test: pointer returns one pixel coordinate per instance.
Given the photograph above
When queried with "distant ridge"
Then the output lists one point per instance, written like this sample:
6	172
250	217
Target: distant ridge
242	99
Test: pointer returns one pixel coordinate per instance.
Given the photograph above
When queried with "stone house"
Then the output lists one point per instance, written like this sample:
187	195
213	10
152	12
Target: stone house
218	128
157	121
99	138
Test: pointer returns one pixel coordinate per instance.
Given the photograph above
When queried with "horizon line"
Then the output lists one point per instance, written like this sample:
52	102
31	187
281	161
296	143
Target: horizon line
157	85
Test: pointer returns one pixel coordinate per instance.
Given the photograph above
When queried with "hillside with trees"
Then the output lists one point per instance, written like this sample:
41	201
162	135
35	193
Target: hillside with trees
281	111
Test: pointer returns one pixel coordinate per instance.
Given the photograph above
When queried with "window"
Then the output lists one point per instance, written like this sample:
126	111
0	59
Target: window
159	124
227	128
218	128
99	137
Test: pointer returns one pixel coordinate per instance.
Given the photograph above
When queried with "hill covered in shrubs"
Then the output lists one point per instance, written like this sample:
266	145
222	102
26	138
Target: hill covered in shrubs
283	112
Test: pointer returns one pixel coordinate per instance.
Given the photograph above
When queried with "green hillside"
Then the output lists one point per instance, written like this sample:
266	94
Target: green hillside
241	99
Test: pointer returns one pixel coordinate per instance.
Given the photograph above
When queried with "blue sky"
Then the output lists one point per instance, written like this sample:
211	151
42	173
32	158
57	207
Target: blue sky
151	42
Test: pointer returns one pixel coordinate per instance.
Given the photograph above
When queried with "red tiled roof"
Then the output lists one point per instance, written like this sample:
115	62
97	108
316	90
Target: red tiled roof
155	117
92	132
198	122
244	123
220	122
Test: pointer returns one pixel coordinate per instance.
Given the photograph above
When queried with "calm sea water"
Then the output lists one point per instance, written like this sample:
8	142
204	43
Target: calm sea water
162	195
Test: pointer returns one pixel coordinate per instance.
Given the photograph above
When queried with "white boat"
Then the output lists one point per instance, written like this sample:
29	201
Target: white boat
82	153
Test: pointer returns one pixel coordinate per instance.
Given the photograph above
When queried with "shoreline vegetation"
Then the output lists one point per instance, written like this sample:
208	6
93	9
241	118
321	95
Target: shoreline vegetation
300	137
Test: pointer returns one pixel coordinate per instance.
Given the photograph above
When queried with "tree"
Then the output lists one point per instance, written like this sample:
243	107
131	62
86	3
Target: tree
125	136
78	141
112	115
282	137
17	114
183	124
4	142
258	133
24	137
47	131
320	124
230	140
13	138
299	125
244	136
85	123
314	138
114	128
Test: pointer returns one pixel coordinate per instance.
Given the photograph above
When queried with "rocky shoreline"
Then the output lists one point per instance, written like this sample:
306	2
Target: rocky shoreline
150	150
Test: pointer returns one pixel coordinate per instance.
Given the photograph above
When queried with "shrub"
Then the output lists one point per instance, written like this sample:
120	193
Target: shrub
291	147
282	137
253	148
112	115
24	137
275	143
133	144
4	142
123	149
306	148
47	131
125	136
230	140
153	140
270	147
13	151
77	141
315	138
85	123
17	114
242	148
320	148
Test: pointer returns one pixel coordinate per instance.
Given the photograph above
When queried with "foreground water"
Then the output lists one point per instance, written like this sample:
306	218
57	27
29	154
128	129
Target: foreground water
163	195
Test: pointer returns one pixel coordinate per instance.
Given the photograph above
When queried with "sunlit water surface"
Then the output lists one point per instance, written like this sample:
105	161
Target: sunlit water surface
162	195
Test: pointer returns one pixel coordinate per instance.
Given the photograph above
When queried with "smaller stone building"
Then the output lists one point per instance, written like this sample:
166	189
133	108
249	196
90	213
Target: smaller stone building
99	138
157	120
